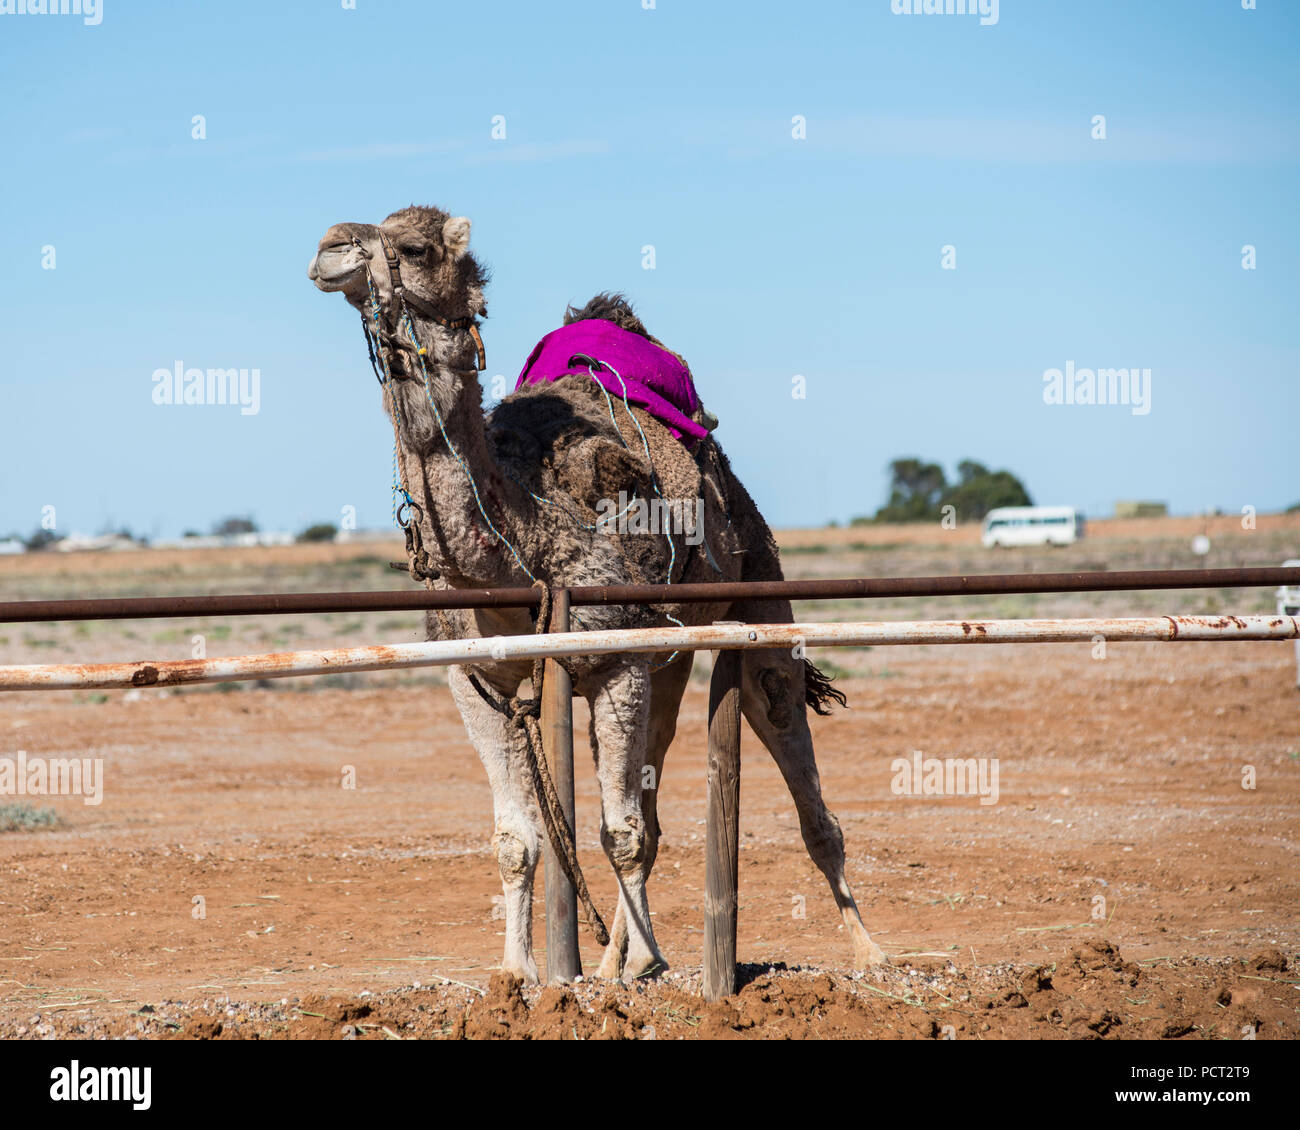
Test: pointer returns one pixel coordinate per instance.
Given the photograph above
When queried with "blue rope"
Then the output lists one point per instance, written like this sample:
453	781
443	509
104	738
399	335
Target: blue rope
399	488
567	511
654	479
442	427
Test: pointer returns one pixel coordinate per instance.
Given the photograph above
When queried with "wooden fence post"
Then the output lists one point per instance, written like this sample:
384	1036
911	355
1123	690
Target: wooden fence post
722	851
563	962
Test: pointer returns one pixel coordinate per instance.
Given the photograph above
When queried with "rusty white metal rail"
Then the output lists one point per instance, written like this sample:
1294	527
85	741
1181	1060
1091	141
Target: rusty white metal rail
559	645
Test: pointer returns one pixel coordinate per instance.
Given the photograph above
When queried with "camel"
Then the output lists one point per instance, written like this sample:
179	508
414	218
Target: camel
511	498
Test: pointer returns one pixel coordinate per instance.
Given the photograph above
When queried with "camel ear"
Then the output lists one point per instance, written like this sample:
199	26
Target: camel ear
455	236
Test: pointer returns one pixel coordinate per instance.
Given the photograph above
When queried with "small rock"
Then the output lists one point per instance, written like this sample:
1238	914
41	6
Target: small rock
1270	960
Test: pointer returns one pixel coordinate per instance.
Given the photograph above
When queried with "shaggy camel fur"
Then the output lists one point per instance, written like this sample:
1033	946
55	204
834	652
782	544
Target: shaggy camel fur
513	496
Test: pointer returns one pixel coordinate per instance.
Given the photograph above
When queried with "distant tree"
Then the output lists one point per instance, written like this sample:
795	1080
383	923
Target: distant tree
191	534
121	532
1294	508
914	491
979	490
918	492
322	531
229	527
42	539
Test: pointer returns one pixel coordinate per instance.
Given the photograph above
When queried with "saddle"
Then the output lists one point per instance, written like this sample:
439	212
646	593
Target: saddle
628	366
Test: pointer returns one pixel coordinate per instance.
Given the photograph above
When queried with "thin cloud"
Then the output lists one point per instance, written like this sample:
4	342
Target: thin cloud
1174	140
381	151
94	133
549	151
1179	140
230	146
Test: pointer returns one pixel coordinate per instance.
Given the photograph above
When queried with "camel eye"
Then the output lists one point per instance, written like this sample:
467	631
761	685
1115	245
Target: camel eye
412	250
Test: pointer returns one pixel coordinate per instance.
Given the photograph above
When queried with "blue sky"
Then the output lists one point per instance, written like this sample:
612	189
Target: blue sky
671	127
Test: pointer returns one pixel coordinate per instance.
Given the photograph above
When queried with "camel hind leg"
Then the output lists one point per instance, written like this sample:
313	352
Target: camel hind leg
772	699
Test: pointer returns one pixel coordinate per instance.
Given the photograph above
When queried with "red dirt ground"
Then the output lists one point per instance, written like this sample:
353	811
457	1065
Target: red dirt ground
369	913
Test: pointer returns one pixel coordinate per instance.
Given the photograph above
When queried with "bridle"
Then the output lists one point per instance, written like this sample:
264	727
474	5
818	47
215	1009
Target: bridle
385	337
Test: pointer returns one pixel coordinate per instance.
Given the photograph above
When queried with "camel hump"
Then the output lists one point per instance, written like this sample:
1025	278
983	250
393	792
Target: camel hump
627	363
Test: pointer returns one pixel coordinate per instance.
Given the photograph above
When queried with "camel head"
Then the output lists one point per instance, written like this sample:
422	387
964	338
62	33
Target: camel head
438	273
442	292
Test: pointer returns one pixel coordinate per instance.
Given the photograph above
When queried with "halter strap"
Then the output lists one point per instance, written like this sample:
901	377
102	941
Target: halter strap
394	263
400	295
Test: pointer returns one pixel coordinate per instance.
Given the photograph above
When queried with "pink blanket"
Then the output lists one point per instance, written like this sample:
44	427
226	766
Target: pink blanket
625	364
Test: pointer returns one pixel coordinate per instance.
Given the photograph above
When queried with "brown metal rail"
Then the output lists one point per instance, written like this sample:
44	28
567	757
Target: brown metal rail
272	604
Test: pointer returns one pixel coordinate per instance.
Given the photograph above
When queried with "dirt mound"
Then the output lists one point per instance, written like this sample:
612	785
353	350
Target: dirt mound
1091	992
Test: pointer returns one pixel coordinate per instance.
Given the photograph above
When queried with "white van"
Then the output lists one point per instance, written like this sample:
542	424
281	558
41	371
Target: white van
1288	596
1288	604
1031	525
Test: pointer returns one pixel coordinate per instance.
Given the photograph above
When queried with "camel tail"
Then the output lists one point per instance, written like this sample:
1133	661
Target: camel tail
818	691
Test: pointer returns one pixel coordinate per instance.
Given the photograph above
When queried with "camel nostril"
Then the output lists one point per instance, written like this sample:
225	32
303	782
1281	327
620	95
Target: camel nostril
335	266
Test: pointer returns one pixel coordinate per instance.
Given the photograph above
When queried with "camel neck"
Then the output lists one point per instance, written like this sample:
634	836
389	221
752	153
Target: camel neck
469	504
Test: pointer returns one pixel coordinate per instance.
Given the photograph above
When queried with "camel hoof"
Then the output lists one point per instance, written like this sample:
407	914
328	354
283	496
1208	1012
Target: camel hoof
868	954
649	967
611	965
526	973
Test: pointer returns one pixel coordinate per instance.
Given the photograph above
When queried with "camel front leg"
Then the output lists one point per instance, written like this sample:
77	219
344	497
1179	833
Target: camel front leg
516	820
620	712
666	687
